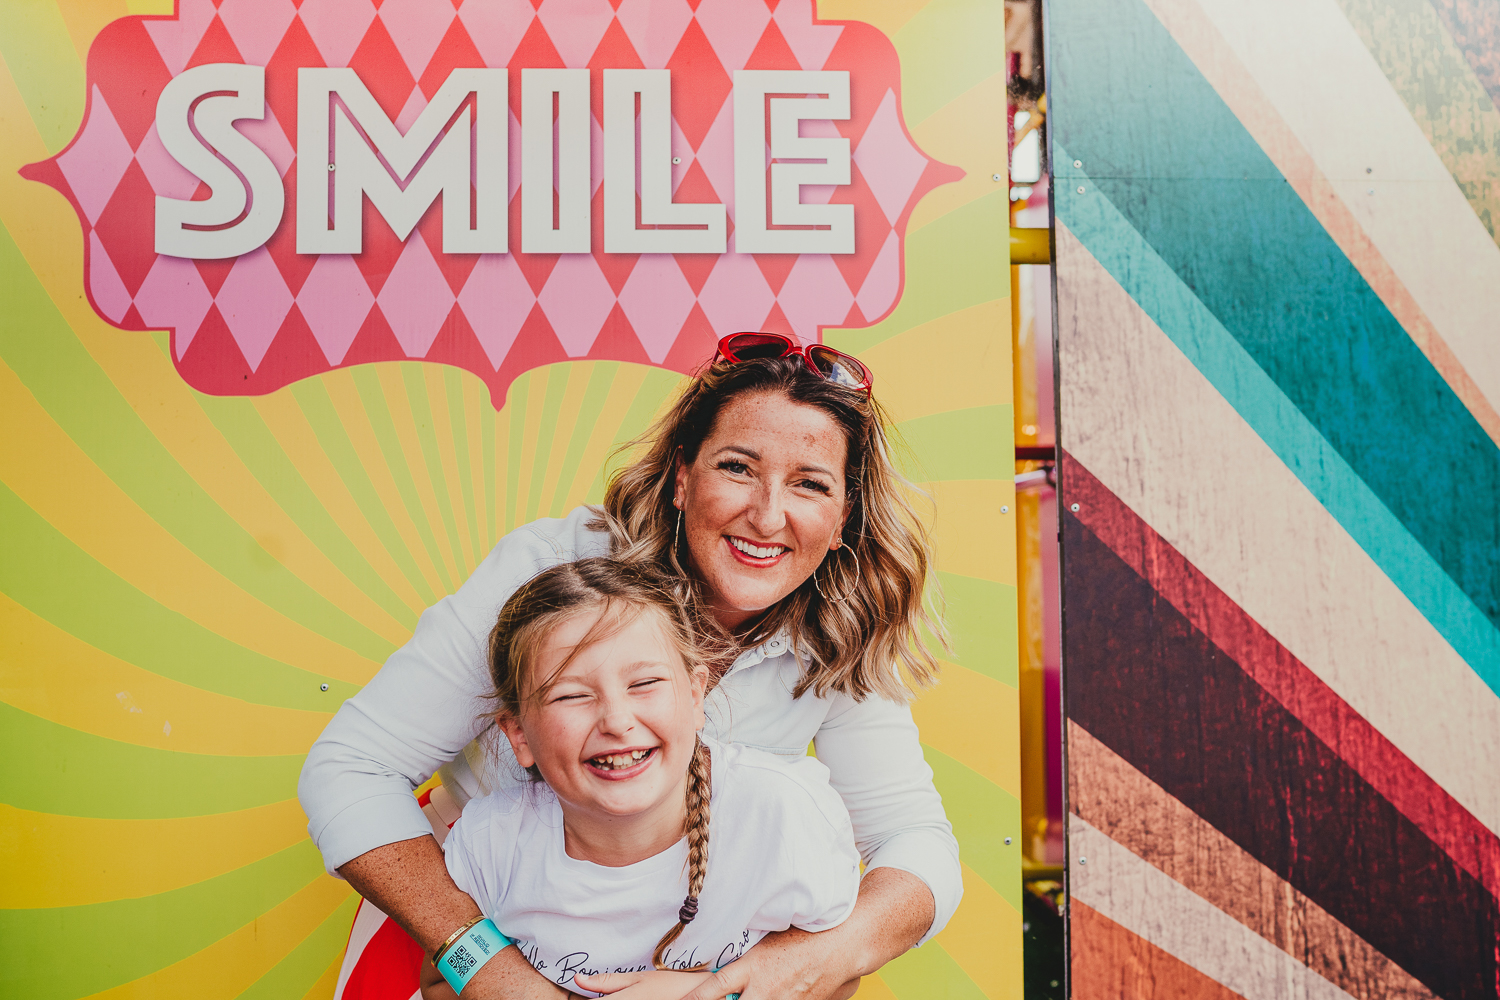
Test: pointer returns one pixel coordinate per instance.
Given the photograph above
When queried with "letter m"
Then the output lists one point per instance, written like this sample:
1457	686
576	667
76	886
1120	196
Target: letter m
347	148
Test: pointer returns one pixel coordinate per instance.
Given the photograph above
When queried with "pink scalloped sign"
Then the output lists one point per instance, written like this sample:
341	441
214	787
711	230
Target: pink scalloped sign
293	187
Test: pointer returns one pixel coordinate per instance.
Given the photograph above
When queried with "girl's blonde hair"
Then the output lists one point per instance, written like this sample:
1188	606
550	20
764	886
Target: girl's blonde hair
869	637
619	592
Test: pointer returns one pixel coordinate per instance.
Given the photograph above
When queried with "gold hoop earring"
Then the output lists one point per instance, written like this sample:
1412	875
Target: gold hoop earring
852	588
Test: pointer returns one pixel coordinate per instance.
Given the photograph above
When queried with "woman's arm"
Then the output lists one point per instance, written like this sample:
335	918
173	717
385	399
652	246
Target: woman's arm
409	881
424	705
893	912
875	762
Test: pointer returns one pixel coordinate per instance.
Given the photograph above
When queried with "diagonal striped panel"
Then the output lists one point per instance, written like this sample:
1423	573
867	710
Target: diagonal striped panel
1282	651
182	573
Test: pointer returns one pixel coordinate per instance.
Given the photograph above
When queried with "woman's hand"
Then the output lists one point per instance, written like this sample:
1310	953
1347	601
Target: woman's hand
409	881
894	910
654	984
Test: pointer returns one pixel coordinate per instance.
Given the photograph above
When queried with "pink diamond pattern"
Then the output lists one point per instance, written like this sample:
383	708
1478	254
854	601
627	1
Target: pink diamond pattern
886	157
416	298
336	26
497	297
733	27
416	101
883	283
95	162
810	42
653	27
496	301
496	27
253	301
577	300
256	26
416	26
335	299
174	297
736	296
176	38
656	300
811	293
575	27
110	293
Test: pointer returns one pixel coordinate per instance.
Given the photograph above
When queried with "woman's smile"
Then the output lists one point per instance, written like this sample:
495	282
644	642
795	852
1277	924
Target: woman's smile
752	554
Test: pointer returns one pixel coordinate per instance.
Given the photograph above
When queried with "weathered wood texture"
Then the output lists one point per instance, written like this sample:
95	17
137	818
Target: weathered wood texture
1277	278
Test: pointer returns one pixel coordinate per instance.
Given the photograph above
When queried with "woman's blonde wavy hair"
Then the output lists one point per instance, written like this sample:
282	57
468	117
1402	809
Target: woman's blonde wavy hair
871	641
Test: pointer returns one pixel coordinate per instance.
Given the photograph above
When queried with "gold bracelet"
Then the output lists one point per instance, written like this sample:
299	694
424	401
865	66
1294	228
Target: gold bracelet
452	938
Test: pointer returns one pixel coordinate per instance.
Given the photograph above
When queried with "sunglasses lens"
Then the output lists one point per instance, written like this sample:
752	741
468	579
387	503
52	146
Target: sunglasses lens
838	368
750	346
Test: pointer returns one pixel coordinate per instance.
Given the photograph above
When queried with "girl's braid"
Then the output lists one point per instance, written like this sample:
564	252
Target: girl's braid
699	791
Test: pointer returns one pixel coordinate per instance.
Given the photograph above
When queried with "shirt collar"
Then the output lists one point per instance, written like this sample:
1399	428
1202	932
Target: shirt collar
777	645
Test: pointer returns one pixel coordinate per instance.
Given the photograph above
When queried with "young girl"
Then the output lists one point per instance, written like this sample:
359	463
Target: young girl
639	843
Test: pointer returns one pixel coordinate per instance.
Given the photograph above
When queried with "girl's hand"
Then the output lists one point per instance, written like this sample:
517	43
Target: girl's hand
655	984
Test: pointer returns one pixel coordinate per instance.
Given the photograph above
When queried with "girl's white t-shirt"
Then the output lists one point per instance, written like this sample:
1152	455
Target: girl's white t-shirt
780	854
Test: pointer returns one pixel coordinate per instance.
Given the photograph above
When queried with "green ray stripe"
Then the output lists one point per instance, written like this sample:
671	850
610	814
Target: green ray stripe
73	773
956	261
312	396
983	815
1277	283
237	419
1434	80
422	415
557	387
946	48
959	444
40	56
516	402
45	572
295	974
983	625
453	387
130	938
930	973
659	385
487	423
38	345
600	381
367	383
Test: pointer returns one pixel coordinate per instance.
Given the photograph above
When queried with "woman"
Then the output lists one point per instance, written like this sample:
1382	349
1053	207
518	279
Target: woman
768	490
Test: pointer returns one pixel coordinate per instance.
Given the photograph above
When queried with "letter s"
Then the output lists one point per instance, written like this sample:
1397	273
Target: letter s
223	93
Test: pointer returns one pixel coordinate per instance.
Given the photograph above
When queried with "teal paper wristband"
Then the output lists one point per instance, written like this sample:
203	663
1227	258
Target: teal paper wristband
468	954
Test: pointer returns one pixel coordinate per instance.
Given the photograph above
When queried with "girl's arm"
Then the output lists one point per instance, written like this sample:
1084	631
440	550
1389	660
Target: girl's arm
409	880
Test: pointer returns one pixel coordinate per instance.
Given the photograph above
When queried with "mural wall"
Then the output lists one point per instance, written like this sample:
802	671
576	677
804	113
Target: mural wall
236	467
1277	283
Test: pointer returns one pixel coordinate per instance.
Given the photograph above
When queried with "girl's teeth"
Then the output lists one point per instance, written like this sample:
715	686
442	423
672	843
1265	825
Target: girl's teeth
610	762
758	551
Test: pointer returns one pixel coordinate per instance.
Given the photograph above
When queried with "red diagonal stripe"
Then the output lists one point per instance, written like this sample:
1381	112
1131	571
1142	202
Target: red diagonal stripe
1390	772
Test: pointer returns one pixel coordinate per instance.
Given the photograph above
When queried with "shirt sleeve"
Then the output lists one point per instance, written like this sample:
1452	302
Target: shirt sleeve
423	707
826	863
875	763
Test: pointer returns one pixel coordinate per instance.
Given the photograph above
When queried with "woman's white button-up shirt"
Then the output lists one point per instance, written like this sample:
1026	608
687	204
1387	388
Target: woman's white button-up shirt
428	702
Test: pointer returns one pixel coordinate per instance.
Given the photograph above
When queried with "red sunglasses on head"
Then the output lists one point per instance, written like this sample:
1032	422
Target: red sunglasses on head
836	366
